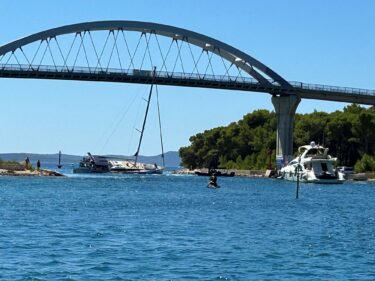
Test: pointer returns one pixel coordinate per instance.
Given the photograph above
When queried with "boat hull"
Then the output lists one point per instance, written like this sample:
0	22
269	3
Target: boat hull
88	170
313	180
103	164
218	174
138	172
309	176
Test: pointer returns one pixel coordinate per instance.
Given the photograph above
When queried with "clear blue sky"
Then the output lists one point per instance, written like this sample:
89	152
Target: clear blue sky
328	42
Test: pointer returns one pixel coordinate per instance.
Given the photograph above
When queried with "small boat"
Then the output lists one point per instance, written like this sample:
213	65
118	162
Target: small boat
217	173
313	164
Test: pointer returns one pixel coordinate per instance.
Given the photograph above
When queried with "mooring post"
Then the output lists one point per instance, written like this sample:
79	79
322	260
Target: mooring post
285	108
298	168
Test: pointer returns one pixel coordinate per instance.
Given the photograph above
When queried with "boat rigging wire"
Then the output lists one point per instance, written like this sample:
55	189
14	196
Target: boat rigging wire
115	125
135	124
160	130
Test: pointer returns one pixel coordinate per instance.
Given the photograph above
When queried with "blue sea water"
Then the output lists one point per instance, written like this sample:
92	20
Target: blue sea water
174	228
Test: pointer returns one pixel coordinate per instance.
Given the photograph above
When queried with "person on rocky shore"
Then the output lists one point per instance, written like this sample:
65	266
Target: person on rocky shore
27	162
38	165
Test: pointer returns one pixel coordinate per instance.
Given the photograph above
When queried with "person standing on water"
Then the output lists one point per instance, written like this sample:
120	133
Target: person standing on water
213	180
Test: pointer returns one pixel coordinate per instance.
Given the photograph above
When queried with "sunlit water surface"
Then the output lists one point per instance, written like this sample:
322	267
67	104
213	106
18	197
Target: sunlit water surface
174	228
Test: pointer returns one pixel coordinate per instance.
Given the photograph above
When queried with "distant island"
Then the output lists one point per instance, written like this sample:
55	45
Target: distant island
172	158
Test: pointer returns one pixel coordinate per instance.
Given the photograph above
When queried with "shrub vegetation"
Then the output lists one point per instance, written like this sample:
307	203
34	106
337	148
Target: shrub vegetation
250	143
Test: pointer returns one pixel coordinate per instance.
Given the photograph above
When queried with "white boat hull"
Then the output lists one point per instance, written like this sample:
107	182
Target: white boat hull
313	165
304	179
103	164
138	172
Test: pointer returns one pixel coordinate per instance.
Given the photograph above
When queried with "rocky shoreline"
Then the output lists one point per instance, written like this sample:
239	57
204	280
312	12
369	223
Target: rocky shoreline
369	176
30	173
239	173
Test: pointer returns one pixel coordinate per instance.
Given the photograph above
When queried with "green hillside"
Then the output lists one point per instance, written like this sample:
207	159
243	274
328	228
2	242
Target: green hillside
250	142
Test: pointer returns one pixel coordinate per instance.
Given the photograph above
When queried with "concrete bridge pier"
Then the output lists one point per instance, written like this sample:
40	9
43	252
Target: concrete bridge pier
285	108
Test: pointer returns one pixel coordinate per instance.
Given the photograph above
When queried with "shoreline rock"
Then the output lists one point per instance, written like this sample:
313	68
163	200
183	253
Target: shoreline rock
239	173
31	173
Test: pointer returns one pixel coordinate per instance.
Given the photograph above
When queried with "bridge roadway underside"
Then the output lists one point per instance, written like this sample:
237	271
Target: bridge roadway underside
187	81
193	81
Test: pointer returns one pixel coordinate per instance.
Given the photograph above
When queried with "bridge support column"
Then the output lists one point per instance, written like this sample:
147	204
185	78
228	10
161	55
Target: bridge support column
285	108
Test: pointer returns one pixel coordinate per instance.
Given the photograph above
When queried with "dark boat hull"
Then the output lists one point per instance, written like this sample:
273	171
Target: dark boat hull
218	174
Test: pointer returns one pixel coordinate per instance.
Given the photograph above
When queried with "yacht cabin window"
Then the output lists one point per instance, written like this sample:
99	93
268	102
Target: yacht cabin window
314	151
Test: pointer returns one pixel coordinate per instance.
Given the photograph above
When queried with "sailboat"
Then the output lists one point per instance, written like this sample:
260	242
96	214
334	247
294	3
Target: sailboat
106	164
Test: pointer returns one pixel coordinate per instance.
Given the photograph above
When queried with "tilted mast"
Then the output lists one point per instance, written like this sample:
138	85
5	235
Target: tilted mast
144	120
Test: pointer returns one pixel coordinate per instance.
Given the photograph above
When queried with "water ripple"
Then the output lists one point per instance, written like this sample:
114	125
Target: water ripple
173	228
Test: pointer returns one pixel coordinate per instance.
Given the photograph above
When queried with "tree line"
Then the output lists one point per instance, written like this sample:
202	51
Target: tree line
250	143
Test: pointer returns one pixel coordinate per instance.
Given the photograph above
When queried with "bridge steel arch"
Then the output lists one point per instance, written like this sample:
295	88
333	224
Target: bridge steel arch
266	78
250	65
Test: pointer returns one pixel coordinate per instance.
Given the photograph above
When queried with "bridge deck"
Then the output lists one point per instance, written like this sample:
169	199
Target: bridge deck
304	90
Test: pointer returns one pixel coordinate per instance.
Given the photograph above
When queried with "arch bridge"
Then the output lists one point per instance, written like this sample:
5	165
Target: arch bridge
129	51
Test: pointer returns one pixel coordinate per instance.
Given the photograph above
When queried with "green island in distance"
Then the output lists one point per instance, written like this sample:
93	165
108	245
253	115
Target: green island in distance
250	143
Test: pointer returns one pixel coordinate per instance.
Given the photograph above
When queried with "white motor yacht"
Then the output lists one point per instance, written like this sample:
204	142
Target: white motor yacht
313	164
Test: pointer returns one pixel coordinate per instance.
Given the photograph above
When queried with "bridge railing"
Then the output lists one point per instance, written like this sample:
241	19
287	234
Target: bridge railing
326	88
129	72
180	75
